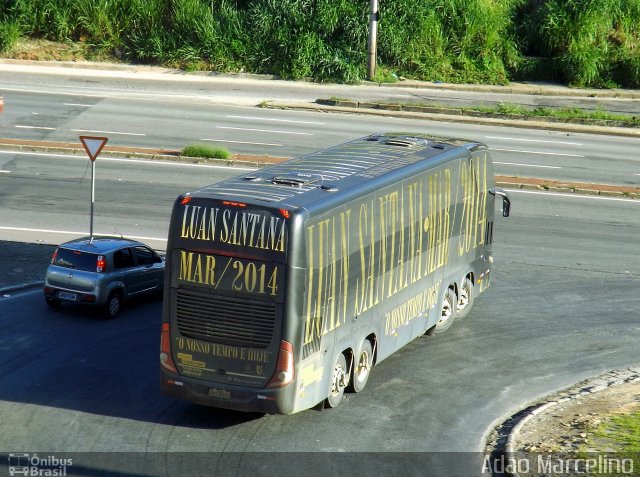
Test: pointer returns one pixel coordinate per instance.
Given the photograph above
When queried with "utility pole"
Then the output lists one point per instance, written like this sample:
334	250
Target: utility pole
373	40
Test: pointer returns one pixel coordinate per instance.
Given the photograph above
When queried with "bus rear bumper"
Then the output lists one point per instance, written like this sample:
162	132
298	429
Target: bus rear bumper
223	396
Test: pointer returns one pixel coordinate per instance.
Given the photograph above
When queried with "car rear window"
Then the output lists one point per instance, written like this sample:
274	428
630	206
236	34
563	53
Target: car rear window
76	260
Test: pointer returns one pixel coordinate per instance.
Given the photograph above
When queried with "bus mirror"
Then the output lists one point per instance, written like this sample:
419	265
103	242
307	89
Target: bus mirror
506	202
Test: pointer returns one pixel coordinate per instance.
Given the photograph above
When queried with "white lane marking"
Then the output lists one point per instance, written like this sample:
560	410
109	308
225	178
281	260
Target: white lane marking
181	164
79	105
576	196
36	127
108	132
255	118
5	172
70	232
536	152
69	156
527	165
534	140
133	161
244	142
265	130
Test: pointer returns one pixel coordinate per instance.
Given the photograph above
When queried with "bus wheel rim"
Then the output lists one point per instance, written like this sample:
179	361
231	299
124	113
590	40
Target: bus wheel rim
338	380
363	366
447	311
464	298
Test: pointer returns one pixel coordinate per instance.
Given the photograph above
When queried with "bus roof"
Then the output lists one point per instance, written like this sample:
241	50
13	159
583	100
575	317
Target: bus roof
368	162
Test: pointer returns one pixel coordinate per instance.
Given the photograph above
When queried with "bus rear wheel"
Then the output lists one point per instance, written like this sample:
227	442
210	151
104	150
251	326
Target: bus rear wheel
362	368
339	380
448	311
466	299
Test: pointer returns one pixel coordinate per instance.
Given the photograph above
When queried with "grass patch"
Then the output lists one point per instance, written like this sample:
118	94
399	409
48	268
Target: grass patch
507	110
621	432
384	75
206	151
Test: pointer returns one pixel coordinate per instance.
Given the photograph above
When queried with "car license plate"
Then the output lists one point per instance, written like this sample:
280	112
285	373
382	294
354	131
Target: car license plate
220	393
67	296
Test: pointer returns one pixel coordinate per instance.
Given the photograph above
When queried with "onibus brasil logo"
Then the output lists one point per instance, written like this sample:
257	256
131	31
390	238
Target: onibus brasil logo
36	466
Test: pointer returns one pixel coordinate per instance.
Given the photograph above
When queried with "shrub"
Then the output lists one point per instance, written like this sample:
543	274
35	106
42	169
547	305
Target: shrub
204	150
10	33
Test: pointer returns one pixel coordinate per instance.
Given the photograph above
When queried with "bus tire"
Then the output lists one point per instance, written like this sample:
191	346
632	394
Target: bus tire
466	299
362	367
339	378
448	311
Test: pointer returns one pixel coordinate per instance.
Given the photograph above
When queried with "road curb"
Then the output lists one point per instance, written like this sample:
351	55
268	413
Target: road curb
239	160
459	118
20	287
501	440
510	182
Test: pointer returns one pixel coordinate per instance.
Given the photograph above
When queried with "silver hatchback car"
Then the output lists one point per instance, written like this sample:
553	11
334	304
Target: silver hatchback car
102	272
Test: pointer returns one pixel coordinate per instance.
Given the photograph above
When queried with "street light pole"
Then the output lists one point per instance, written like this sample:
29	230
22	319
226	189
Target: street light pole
373	40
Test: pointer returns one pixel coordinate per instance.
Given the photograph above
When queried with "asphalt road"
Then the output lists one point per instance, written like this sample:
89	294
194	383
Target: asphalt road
135	82
148	112
563	306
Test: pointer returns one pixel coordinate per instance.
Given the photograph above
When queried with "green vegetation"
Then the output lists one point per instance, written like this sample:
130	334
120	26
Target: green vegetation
621	432
581	42
618	437
203	150
506	110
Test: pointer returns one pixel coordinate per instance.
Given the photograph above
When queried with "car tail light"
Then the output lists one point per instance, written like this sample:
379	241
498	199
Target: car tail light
165	349
284	369
55	255
101	264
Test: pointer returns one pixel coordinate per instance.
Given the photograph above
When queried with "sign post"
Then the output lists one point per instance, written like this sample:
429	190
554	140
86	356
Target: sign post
93	146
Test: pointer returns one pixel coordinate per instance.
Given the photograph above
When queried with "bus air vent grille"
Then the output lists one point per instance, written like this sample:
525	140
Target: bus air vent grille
235	321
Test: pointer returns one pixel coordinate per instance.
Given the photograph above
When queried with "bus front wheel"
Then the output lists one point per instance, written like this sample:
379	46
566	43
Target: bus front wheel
339	380
448	313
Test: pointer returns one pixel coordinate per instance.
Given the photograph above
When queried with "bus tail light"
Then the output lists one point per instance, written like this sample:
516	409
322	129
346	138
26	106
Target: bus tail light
231	203
165	349
285	213
284	369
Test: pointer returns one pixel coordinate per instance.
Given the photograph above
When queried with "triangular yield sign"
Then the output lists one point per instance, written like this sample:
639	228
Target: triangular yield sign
93	145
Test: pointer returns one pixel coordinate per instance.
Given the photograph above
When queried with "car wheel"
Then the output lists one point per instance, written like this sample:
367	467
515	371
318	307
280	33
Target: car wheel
112	307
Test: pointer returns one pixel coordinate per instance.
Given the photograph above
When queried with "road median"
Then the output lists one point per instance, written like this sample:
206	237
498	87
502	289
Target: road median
243	160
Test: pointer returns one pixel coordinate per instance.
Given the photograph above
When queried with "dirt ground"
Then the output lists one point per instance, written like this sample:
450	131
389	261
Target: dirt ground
568	426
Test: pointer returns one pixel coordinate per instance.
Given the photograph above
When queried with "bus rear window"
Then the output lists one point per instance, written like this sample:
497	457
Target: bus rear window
75	259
